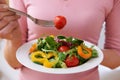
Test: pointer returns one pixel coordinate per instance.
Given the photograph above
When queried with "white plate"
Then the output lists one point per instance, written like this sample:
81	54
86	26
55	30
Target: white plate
23	58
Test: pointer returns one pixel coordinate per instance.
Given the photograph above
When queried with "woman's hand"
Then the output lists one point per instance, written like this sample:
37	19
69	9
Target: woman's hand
111	58
9	27
10	30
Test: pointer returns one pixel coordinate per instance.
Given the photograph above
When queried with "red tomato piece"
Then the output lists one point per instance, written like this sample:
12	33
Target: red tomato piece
60	22
63	48
72	61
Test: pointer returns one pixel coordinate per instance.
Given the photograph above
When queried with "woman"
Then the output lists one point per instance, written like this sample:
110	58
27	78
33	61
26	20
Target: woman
84	20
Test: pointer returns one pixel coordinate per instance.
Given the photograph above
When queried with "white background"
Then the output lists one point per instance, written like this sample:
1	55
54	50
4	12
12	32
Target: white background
7	73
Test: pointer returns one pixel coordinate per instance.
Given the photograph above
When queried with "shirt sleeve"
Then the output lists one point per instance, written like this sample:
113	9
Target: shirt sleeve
19	4
112	30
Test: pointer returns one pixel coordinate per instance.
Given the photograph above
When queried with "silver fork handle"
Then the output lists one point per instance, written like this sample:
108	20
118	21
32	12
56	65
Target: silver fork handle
35	20
22	13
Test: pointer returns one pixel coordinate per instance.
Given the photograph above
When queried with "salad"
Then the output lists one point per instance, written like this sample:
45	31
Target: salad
60	52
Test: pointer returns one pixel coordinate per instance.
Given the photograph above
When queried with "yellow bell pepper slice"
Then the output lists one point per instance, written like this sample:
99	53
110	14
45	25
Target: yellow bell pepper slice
38	56
42	58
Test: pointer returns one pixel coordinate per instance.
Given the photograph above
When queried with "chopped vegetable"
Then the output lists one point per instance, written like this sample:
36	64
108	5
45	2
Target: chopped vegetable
33	48
61	52
84	53
63	48
72	61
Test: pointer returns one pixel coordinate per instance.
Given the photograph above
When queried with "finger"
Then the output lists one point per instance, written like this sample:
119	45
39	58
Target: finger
16	32
2	1
7	32
4	7
6	20
7	13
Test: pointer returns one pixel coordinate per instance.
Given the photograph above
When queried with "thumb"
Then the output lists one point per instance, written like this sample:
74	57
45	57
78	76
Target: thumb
2	1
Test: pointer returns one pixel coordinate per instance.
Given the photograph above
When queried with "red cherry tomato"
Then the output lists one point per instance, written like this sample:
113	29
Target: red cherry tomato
63	48
72	61
60	22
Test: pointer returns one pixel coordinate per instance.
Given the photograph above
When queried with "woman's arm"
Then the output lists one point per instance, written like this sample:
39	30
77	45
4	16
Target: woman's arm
19	36
112	37
10	49
9	30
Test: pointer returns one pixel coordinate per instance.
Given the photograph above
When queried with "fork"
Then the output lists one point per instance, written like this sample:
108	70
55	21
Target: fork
45	23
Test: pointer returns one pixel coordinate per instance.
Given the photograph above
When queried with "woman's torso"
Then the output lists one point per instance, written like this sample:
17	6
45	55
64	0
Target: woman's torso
84	17
84	20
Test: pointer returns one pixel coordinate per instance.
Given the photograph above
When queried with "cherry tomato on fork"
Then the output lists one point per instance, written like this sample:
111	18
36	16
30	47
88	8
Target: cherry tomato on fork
60	22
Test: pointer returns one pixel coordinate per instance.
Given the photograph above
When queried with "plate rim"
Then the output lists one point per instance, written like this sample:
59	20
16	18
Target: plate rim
57	70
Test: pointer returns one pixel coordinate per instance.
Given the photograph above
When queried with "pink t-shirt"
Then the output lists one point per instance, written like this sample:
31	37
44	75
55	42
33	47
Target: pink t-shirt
84	20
